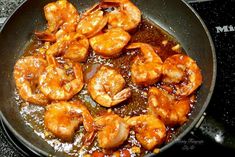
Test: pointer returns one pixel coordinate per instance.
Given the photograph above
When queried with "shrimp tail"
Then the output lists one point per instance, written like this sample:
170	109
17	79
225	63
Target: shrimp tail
121	96
89	138
45	36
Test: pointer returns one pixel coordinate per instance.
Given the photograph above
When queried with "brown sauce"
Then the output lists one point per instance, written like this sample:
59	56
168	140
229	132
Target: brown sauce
136	105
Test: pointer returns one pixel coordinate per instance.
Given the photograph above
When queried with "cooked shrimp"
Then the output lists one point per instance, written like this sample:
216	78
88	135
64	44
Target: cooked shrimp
113	130
146	67
77	50
61	45
150	131
72	46
26	74
92	22
45	36
64	118
61	82
126	15
106	87
61	14
165	106
111	43
184	72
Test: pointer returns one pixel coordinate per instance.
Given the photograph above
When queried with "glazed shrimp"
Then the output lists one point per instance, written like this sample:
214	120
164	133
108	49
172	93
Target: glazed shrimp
126	15
61	82
165	106
77	50
72	46
146	67
64	118
111	43
183	71
106	87
60	15
92	22
112	130
26	74
150	131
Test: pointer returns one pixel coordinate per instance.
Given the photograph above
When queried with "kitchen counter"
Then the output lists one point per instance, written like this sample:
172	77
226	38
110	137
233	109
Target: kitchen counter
7	7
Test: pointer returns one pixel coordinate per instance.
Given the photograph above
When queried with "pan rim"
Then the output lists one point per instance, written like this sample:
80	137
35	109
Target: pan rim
213	81
21	139
168	145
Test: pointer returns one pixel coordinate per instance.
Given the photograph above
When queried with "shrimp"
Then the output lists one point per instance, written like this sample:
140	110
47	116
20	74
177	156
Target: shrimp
126	15
169	109
150	131
77	50
26	74
111	43
112	130
106	87
93	22
60	15
61	82
64	118
72	46
184	72
146	67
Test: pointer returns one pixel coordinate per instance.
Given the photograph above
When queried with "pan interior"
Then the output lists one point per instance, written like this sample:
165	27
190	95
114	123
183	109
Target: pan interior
173	16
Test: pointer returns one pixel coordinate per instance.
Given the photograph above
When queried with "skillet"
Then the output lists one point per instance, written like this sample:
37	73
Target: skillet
176	17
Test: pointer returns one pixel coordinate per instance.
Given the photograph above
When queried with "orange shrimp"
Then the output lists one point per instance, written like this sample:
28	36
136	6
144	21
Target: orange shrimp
146	67
63	119
72	46
61	82
126	15
106	87
150	131
92	22
27	71
113	130
62	17
111	43
183	71
165	106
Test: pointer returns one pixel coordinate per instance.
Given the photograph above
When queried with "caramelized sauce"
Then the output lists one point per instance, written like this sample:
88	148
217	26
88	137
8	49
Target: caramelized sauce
146	32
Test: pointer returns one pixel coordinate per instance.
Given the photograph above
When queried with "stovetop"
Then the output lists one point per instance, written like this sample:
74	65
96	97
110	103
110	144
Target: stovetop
220	20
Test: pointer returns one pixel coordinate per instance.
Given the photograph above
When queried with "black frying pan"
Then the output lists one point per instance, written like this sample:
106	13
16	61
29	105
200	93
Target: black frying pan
176	17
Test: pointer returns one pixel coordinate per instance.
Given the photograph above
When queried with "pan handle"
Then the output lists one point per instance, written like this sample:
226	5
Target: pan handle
212	130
